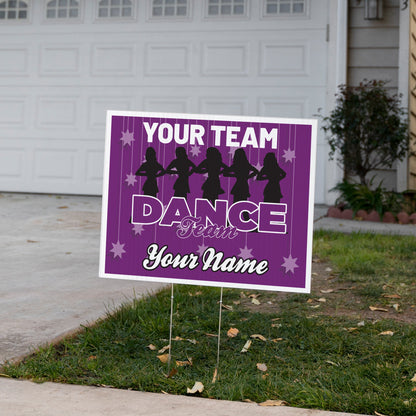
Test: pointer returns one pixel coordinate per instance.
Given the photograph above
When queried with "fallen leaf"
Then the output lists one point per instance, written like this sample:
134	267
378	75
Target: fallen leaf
227	307
211	335
236	302
332	363
376	308
253	296
184	363
247	345
394	296
309	301
413	378
214	377
361	323
352	329
164	349
276	325
378	414
152	347
328	269
32	241
315	306
414	389
92	357
275	319
255	301
396	307
232	332
277	339
197	388
315	274
326	290
322	300
273	403
172	373
164	358
248	401
258	336
389	333
261	366
264	376
178	339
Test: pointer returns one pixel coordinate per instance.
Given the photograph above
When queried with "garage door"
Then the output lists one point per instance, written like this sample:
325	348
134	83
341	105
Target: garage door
64	62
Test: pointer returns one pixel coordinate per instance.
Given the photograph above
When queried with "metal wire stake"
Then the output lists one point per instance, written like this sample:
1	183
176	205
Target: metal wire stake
219	334
170	328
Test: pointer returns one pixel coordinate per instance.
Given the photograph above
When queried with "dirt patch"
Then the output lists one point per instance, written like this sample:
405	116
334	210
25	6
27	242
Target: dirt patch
331	296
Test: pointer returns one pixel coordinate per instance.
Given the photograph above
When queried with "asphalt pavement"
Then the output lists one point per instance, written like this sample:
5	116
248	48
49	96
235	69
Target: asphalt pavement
49	286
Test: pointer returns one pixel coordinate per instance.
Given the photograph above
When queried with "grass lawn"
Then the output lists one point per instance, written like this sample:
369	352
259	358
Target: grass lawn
348	346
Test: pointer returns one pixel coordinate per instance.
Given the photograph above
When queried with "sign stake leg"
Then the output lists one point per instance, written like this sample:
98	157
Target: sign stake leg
170	327
219	339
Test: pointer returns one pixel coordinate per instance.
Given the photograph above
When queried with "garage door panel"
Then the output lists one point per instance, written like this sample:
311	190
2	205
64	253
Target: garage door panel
14	60
60	60
98	106
57	112
13	112
113	60
167	104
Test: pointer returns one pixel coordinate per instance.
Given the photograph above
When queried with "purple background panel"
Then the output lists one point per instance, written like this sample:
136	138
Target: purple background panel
124	245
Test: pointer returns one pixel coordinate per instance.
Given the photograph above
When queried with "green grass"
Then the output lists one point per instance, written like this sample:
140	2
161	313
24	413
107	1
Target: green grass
314	360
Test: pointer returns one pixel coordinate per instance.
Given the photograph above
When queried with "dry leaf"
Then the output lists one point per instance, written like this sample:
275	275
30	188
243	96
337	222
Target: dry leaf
63	207
255	301
253	296
92	357
164	358
413	378
227	307
396	307
152	347
164	349
361	323
389	333
276	325
414	389
184	363
277	339
32	241
261	366
394	296
321	300
328	269
197	388
375	308
315	306
326	290
214	377
236	302
332	363
248	401
178	339
258	336
275	319
378	414
172	373
274	403
264	376
211	335
309	301
247	345
232	332
352	329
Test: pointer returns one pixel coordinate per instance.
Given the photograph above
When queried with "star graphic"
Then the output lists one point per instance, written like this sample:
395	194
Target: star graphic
289	263
195	151
245	253
130	179
258	166
118	249
201	249
127	137
289	155
138	229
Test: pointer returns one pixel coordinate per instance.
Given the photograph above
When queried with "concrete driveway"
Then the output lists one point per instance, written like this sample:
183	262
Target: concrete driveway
49	284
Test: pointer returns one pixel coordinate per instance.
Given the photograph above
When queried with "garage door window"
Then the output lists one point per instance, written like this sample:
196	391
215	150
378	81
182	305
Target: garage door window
109	9
169	8
14	10
226	8
285	7
62	9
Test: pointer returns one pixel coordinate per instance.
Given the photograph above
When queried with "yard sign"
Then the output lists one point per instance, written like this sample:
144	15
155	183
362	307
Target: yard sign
210	200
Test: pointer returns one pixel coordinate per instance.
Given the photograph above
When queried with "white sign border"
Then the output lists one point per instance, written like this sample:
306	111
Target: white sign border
106	175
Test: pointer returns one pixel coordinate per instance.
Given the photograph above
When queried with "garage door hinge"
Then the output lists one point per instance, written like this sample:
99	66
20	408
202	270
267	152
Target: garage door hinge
327	32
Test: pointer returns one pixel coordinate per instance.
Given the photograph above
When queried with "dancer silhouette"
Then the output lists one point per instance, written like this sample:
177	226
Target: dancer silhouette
242	171
214	166
151	169
182	167
274	174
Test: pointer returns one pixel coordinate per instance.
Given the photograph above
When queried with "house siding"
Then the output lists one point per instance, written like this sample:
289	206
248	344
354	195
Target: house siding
373	53
412	95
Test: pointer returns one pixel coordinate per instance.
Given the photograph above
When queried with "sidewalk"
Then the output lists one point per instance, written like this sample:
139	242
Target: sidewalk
49	286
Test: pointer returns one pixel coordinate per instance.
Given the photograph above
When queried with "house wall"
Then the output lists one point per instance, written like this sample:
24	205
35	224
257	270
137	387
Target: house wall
373	53
412	95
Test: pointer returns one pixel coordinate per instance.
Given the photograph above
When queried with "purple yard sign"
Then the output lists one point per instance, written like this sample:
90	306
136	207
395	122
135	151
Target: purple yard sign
210	200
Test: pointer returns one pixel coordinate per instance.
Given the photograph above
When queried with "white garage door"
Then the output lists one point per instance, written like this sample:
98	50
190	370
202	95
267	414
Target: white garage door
64	62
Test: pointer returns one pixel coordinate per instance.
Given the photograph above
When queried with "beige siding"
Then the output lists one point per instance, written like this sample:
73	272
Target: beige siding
412	95
373	45
373	53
